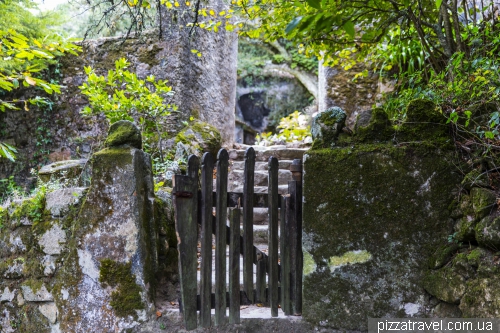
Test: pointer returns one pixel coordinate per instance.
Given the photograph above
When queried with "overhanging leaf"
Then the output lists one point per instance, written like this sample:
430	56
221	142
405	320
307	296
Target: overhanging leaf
349	28
293	24
438	4
314	3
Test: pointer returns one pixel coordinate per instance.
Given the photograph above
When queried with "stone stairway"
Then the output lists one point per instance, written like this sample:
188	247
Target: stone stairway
285	157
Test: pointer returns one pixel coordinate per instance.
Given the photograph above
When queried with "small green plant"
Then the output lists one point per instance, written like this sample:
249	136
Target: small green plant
162	326
9	188
293	128
122	96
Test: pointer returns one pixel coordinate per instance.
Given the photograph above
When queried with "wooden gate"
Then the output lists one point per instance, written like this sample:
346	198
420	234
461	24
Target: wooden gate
194	202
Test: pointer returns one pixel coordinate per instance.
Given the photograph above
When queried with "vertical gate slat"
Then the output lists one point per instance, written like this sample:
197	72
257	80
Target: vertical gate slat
273	235
286	305
295	229
248	190
186	204
220	237
261	279
234	266
207	168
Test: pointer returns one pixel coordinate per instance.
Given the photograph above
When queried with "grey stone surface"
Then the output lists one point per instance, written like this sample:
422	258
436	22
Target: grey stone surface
52	241
15	270
59	202
7	295
32	294
49	265
70	171
49	310
116	224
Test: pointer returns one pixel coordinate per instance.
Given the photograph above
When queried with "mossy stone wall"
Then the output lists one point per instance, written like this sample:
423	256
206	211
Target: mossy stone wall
373	215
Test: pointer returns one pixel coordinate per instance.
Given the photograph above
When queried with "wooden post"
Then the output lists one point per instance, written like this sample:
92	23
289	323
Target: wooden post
295	229
248	189
261	278
286	305
207	169
220	237
234	266
186	215
273	235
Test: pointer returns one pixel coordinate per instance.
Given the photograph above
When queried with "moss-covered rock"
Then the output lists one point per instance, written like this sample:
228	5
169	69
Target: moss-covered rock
487	232
475	178
200	137
390	201
483	201
465	229
424	122
126	298
442	255
445	284
122	133
378	129
462	207
326	127
482	299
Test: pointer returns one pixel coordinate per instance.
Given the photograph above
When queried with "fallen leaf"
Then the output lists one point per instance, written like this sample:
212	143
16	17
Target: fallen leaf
158	314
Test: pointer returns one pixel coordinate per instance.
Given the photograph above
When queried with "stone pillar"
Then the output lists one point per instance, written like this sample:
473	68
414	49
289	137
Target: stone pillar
107	282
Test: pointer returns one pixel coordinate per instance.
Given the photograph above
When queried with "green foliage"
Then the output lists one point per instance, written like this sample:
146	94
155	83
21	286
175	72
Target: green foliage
7	151
292	128
122	96
467	91
23	60
9	188
27	49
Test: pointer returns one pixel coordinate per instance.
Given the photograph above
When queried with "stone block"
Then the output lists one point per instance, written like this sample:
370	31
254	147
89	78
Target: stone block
59	202
381	211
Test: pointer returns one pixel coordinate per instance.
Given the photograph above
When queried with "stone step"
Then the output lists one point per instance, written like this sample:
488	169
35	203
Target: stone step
282	189
240	165
237	177
263	155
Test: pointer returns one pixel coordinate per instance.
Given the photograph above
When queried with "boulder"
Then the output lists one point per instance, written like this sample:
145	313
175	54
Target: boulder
326	127
71	172
124	133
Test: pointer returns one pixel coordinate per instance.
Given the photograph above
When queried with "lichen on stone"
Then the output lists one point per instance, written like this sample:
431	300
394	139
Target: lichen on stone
349	258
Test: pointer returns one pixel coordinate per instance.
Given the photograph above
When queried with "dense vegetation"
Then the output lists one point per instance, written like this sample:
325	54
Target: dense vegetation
442	50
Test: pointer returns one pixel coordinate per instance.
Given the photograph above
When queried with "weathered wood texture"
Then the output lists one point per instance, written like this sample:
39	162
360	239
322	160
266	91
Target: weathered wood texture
273	235
286	305
207	167
295	229
248	191
221	237
261	280
186	216
234	266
